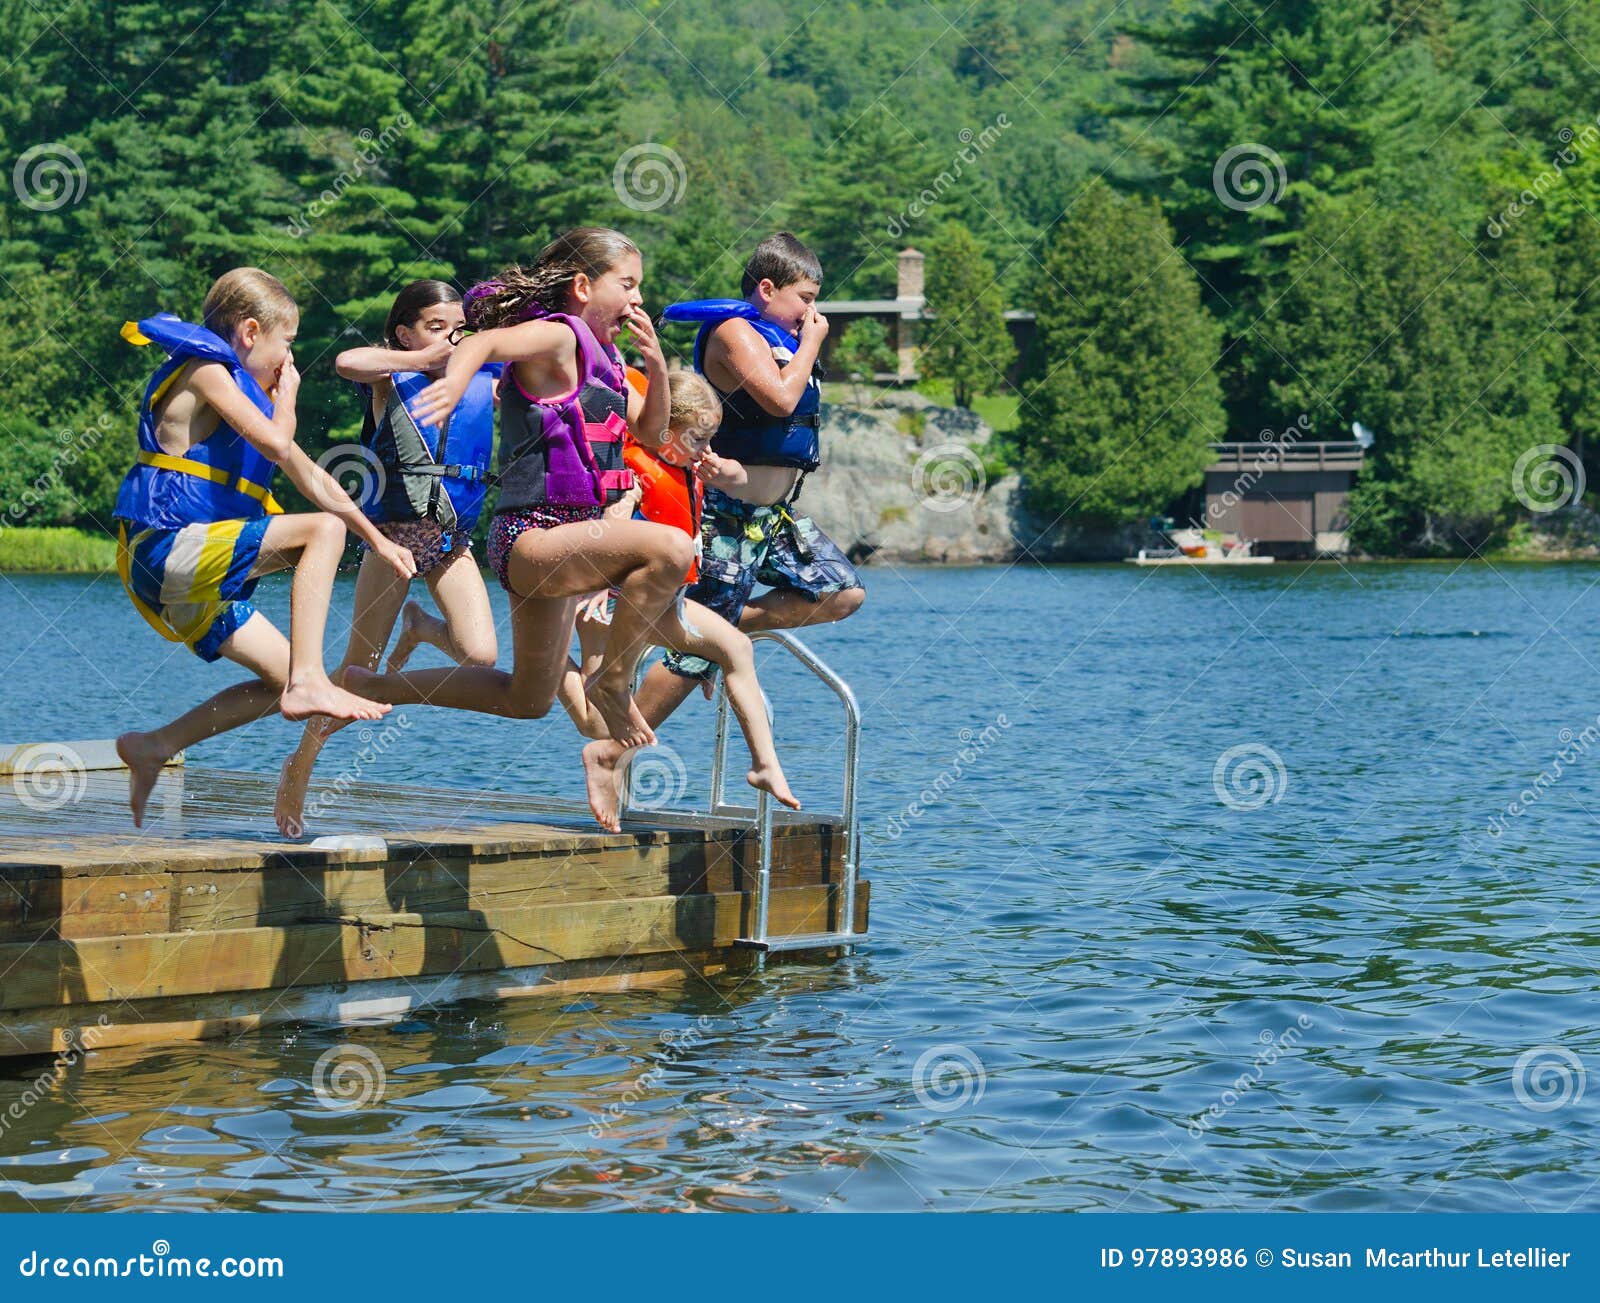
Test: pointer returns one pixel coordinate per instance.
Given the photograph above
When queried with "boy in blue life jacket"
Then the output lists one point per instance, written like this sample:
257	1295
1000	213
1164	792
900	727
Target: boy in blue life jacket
198	527
760	354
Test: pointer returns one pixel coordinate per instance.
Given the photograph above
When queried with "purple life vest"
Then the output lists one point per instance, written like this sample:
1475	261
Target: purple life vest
566	451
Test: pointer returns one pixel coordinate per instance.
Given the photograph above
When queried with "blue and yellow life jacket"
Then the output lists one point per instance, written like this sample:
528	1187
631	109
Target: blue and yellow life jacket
429	473
749	433
221	478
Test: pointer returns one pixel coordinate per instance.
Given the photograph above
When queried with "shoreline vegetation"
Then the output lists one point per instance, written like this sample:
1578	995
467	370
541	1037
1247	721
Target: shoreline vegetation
51	550
56	550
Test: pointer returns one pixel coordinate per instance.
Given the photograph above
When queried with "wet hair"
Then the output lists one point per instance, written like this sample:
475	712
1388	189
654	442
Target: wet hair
246	292
412	302
692	403
782	259
522	293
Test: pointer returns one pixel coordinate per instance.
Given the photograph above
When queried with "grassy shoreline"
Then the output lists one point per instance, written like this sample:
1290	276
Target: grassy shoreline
31	549
60	551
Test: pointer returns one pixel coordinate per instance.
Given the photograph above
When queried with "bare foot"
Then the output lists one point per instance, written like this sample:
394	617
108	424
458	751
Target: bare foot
145	758
600	778
622	718
410	635
772	780
320	696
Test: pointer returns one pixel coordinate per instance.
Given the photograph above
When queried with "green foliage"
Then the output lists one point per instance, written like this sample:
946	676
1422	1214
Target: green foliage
56	551
863	350
1440	348
865	182
966	342
1259	108
1120	400
352	146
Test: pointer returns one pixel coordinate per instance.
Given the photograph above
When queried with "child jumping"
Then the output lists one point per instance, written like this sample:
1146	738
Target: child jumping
431	486
564	409
669	477
760	354
197	525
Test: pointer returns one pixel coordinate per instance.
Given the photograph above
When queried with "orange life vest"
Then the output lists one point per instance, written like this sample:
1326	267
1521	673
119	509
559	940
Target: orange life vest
672	494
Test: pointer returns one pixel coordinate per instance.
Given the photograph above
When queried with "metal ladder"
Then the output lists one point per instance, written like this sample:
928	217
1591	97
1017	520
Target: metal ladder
759	817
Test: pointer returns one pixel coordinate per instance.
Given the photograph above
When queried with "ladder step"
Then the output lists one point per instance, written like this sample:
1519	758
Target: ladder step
802	941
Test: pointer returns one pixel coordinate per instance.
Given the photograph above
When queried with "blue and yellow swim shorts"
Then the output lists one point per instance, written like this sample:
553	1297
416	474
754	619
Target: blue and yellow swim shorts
192	584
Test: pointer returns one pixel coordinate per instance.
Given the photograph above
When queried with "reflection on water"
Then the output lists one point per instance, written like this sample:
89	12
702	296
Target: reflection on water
1218	919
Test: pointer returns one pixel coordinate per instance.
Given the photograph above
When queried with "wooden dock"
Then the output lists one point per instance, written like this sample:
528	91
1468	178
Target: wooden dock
201	926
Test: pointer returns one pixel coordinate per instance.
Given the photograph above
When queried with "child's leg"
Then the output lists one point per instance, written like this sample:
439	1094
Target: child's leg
812	581
712	638
379	595
312	545
720	642
593	635
783	608
257	646
541	632
645	563
466	633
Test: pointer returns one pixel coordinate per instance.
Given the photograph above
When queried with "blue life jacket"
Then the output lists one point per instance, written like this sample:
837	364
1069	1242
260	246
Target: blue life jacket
749	433
429	473
221	478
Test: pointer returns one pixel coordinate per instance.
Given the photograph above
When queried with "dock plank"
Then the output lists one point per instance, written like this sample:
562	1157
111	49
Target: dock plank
204	925
385	946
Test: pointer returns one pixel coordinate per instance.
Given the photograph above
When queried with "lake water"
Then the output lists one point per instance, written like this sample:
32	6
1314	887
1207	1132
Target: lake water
1222	907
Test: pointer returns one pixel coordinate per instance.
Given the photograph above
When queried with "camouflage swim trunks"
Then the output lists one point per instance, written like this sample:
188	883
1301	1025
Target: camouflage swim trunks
745	544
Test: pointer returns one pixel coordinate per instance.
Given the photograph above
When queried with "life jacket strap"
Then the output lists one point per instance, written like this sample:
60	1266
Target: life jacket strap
610	430
164	461
450	471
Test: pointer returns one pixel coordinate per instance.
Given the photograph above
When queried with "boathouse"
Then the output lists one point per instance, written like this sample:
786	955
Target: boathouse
1291	498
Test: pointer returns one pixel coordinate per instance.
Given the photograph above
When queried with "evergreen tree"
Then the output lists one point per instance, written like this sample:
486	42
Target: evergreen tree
1261	107
518	131
863	350
1120	401
993	52
966	342
1440	348
854	213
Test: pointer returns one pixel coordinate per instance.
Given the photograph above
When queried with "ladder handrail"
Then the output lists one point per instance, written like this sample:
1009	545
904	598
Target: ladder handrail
761	811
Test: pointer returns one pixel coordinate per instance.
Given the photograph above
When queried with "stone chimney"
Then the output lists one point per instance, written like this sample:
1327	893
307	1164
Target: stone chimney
909	283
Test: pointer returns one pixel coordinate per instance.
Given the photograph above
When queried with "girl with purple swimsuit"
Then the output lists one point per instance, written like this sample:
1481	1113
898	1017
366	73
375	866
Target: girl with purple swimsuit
564	409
